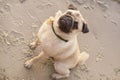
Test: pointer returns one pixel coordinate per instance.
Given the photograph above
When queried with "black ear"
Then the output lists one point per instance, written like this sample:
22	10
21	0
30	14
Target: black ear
85	28
72	7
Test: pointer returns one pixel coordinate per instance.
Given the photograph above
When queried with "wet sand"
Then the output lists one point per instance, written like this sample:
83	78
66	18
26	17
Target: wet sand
20	21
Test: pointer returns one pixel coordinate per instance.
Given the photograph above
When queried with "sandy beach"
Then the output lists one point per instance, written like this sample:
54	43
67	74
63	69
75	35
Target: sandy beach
20	21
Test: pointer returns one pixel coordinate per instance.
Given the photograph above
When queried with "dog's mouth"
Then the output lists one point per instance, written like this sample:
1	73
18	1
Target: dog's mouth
66	23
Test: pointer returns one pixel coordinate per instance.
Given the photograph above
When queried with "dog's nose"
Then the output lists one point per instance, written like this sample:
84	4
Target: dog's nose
66	20
65	23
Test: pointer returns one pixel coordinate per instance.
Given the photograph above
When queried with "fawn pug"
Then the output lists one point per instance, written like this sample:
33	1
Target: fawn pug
58	39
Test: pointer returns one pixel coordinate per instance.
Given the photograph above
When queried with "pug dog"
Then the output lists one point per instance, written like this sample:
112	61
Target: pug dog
58	39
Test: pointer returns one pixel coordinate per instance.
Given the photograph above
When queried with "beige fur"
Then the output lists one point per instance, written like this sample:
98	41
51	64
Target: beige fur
66	54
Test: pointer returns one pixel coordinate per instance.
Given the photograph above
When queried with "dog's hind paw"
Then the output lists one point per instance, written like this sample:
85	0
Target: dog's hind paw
59	76
28	64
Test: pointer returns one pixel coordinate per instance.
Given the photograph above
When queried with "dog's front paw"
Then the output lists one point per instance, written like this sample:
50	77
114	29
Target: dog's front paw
59	76
32	45
83	57
28	64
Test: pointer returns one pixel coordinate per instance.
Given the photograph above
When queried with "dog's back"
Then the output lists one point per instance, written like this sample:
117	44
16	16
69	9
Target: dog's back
53	46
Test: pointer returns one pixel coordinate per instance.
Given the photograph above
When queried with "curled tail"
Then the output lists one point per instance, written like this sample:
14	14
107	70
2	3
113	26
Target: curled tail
83	57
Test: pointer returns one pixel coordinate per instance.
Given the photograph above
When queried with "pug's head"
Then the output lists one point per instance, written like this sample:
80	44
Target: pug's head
71	21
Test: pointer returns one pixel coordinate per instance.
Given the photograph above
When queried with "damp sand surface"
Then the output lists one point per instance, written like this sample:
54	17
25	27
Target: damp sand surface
20	21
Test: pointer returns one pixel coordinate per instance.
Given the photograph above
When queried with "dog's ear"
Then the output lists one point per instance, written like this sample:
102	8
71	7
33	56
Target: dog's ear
85	28
72	7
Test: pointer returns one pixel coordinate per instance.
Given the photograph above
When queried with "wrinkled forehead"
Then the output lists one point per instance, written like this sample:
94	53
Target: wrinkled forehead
73	12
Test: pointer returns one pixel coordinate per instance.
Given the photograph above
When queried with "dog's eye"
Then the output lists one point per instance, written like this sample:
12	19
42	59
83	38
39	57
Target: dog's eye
69	13
75	26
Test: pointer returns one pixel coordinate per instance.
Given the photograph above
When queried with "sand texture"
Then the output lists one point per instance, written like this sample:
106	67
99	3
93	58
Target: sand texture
20	21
